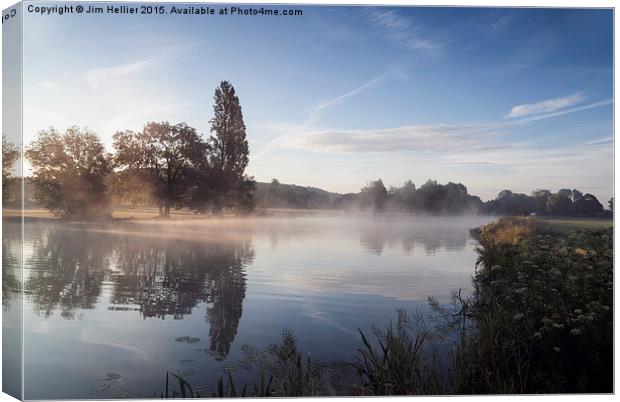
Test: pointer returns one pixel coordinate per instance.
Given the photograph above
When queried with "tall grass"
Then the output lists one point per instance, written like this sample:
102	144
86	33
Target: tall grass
399	361
293	373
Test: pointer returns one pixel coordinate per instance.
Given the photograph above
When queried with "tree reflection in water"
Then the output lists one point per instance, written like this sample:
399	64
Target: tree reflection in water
11	248
161	276
432	233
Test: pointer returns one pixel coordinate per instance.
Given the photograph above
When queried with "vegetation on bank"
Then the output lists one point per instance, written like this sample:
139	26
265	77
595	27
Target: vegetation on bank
542	311
540	320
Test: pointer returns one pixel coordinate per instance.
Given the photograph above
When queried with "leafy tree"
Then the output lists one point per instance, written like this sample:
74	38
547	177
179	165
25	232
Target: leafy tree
10	154
577	195
279	195
540	200
611	204
565	192
374	195
589	205
560	204
130	187
229	152
69	172
405	196
166	156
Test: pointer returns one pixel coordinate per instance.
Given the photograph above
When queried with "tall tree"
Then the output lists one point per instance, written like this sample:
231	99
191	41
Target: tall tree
10	154
69	172
166	156
229	152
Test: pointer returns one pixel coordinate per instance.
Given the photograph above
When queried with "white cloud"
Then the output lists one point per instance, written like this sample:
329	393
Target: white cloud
546	106
422	138
441	138
48	84
101	78
566	111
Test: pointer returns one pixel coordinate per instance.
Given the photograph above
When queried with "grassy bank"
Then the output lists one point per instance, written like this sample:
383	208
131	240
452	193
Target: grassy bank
511	230
542	309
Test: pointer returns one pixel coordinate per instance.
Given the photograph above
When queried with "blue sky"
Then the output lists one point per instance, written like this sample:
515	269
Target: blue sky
493	98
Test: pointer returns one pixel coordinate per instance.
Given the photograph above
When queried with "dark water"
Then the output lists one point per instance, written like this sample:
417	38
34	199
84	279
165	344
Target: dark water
109	308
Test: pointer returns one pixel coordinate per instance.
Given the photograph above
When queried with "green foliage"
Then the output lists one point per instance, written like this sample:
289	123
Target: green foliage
374	195
543	202
543	316
164	155
131	187
279	195
69	172
228	154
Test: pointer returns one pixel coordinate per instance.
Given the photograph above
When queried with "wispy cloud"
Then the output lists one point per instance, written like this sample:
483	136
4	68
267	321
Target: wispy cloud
48	84
423	138
127	97
545	106
401	29
442	138
499	25
100	78
290	130
566	111
338	99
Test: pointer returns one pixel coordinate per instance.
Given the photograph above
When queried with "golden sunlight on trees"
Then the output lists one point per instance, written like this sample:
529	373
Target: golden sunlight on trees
164	155
69	172
168	164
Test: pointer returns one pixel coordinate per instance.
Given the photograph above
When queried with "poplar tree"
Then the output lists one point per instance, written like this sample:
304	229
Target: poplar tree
229	151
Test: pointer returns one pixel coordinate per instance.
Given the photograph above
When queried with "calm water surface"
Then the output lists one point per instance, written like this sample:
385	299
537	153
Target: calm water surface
109	308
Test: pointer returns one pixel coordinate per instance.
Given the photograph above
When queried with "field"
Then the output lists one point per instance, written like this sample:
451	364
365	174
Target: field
566	224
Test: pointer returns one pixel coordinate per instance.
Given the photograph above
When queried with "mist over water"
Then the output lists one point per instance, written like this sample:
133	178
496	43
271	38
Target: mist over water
109	307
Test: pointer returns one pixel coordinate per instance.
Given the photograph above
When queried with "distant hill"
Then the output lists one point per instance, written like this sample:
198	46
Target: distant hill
280	195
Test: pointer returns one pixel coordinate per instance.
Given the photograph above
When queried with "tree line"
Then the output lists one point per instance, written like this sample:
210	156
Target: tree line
433	198
168	165
172	166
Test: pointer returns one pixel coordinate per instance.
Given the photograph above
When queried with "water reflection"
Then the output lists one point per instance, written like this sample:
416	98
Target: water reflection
11	243
157	276
67	269
375	237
